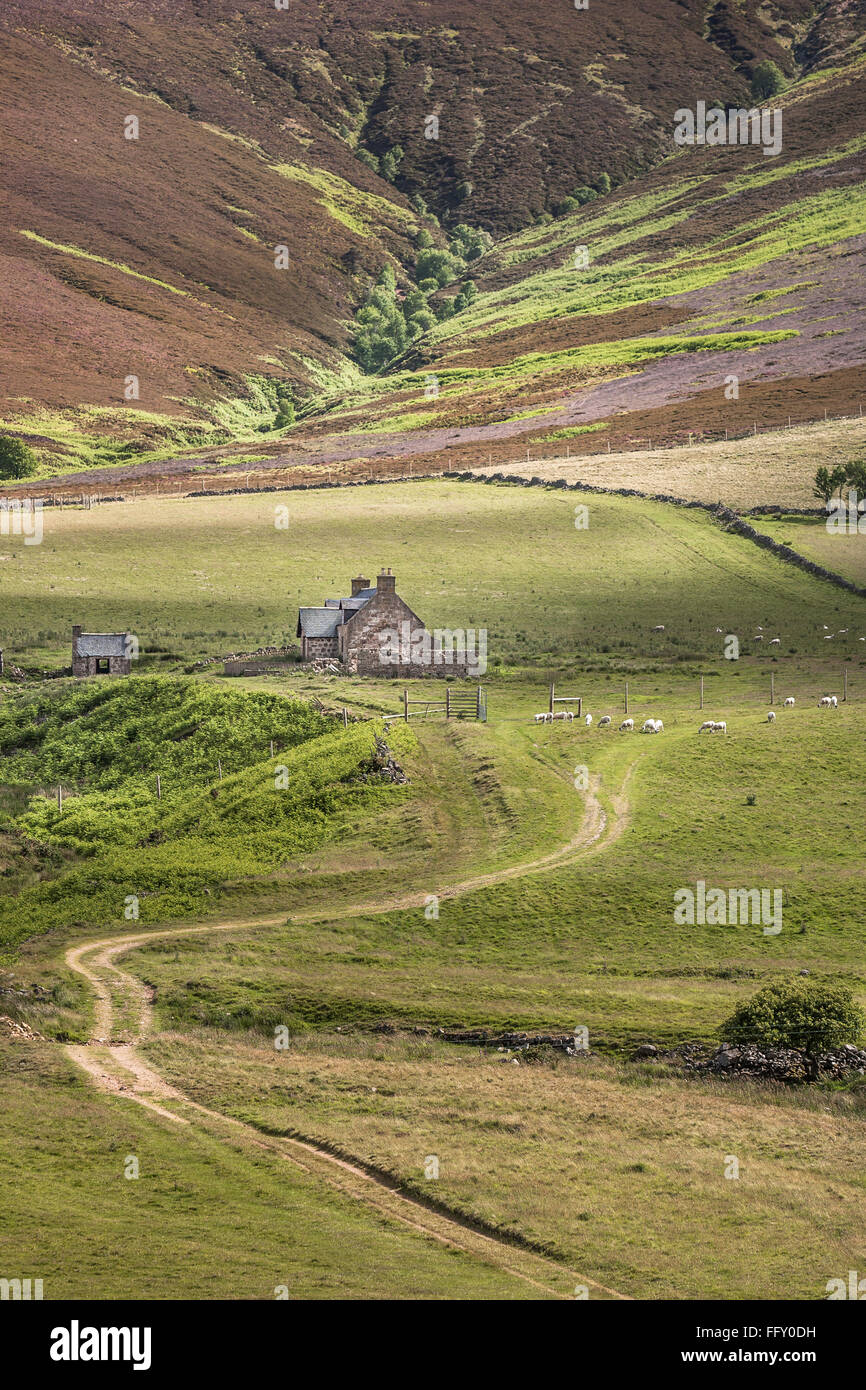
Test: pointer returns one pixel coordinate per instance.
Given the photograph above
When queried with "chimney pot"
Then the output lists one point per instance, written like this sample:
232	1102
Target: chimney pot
385	582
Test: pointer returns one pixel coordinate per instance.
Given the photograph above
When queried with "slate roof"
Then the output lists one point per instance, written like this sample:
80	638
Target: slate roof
103	644
318	622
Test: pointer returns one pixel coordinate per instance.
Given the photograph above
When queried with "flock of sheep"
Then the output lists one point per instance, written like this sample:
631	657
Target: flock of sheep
655	726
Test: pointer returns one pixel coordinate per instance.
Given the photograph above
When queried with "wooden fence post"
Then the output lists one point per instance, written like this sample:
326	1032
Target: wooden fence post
626	697
702	692
158	788
406	705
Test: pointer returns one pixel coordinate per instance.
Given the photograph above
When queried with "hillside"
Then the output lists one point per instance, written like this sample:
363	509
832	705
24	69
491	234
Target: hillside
155	257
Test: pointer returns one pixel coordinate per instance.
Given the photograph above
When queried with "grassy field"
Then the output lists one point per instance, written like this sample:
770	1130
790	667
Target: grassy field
620	1170
773	468
202	577
842	552
555	896
203	1219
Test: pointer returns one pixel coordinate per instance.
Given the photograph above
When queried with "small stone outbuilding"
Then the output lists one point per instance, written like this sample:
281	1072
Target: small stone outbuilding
101	653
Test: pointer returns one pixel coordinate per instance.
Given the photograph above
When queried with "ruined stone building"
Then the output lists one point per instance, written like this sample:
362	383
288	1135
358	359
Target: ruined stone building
102	653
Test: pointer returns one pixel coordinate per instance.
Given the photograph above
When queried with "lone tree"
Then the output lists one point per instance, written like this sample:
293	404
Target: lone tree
767	80
794	1012
16	459
824	485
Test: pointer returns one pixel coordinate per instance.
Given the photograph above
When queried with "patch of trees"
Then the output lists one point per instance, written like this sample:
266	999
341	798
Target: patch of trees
390	319
585	193
842	480
17	460
767	80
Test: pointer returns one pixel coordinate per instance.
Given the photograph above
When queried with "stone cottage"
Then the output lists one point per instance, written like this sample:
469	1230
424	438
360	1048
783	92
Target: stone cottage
355	630
102	653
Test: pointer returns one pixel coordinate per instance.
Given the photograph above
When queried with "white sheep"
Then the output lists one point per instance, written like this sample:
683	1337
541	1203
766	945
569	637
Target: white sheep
648	726
775	641
660	728
720	727
834	702
790	702
771	718
626	726
707	727
825	702
588	720
604	721
660	628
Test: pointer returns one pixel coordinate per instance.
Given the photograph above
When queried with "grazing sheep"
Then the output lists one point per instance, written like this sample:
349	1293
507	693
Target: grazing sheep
648	726
563	714
660	728
771	718
720	727
626	726
605	719
759	638
588	720
834	702
790	701
825	702
707	727
775	641
660	628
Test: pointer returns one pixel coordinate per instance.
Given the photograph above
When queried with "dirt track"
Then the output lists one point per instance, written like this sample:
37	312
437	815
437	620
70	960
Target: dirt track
117	1069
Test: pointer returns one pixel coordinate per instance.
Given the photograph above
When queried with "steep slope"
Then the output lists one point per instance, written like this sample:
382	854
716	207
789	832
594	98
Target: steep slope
259	127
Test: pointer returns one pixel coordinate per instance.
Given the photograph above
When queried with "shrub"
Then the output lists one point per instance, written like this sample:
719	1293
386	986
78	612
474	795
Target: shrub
566	206
468	243
436	265
602	184
285	408
794	1012
389	164
585	194
767	80
17	460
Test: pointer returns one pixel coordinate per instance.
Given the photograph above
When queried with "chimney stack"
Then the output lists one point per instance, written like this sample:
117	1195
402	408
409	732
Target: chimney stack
385	582
358	584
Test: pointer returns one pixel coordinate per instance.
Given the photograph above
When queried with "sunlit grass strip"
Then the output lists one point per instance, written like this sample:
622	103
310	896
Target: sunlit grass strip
101	260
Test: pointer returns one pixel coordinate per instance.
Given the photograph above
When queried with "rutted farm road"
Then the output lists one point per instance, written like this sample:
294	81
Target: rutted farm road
118	1069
